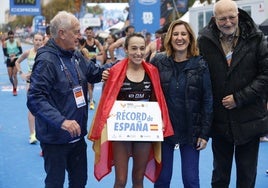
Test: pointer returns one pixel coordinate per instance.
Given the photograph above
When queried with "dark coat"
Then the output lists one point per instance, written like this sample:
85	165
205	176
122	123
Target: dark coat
197	94
246	79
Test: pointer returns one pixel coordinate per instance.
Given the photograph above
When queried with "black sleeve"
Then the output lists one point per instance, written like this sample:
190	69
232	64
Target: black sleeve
20	51
5	52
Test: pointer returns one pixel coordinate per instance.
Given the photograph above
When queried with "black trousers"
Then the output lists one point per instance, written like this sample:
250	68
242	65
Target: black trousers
70	157
246	159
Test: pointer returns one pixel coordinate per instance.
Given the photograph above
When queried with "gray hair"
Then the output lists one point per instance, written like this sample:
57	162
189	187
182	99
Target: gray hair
63	20
224	3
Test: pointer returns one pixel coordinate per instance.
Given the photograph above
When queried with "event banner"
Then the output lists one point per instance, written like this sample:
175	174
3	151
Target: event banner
145	15
135	121
25	7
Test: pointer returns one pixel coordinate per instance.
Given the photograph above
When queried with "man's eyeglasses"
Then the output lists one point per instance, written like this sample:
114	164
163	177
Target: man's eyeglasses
224	19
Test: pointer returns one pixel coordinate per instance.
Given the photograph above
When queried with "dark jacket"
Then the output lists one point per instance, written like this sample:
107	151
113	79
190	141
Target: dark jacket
197	95
50	96
246	79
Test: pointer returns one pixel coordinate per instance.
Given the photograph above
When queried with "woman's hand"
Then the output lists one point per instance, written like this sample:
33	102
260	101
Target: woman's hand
201	144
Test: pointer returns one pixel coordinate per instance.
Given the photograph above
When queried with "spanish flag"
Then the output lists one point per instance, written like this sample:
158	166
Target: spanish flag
98	131
153	127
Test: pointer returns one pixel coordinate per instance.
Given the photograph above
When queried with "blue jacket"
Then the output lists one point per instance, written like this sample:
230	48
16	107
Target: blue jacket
50	97
197	98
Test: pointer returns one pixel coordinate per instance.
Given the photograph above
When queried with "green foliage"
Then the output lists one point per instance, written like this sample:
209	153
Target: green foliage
54	6
106	1
190	3
209	1
49	11
94	10
21	21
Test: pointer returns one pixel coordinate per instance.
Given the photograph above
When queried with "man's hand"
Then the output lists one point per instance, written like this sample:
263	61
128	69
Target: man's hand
105	75
72	127
229	102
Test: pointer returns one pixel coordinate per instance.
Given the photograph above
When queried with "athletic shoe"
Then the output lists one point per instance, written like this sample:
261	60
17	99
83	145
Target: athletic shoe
32	139
15	92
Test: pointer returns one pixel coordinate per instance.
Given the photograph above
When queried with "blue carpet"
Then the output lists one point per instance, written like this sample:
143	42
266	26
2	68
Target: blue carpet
20	163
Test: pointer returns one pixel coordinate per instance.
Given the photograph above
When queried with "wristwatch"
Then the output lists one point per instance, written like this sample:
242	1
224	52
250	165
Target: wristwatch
20	72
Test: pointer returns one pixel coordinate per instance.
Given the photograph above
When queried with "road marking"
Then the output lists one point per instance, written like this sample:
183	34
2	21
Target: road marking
10	88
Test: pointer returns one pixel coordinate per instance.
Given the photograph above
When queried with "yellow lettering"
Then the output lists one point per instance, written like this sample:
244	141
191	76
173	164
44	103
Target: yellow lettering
25	2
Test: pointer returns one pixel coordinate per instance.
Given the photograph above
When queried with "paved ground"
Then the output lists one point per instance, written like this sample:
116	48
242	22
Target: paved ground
20	163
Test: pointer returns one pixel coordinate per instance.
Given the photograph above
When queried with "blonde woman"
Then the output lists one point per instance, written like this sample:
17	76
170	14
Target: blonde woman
30	55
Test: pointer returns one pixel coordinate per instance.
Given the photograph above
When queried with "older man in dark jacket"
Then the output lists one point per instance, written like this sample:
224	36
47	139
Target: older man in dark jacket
237	54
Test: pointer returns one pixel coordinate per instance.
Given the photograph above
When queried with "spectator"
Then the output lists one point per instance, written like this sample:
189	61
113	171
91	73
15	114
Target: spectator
237	55
185	80
47	36
148	38
118	46
109	41
92	45
155	46
57	99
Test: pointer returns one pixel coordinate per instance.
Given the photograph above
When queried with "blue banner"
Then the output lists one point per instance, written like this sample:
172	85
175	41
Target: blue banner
25	7
145	15
182	6
171	9
39	24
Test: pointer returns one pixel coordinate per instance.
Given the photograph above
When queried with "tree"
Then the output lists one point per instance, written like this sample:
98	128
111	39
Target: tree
209	1
21	21
77	4
54	6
